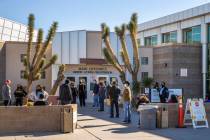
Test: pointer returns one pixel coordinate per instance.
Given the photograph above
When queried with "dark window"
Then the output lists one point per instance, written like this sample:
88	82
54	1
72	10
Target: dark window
192	35
22	57
22	73
71	79
150	41
144	60
144	75
43	75
169	37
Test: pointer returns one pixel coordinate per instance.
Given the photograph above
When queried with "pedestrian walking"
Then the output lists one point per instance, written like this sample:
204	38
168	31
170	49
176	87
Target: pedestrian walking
19	94
65	94
82	93
74	93
95	94
164	93
6	93
127	102
102	96
114	93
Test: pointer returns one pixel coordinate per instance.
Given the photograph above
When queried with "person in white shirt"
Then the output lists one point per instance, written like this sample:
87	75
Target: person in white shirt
39	92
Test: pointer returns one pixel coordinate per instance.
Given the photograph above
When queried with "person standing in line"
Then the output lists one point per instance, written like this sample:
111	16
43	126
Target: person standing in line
19	95
6	93
107	88
65	94
95	94
156	86
164	93
102	96
82	93
114	93
127	102
74	93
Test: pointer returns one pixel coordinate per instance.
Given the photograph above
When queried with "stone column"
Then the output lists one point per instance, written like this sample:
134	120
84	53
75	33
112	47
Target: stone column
159	37
204	54
179	33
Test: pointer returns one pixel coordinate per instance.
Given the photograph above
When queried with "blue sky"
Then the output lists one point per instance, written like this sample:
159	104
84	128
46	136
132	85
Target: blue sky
89	14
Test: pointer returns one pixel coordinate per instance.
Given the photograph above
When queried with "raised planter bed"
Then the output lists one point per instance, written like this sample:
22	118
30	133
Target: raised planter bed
38	118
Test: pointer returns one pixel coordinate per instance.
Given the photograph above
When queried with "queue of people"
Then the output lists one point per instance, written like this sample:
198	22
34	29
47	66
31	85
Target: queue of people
112	93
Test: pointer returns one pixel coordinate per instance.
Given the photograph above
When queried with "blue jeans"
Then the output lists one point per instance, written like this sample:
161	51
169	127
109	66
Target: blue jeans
101	103
95	101
127	111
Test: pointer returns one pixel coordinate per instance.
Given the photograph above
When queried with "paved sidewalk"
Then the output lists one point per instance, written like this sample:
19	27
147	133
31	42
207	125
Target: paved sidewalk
104	128
94	125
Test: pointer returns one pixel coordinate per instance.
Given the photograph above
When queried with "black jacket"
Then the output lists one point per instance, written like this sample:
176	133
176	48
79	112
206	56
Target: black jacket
19	93
65	93
114	93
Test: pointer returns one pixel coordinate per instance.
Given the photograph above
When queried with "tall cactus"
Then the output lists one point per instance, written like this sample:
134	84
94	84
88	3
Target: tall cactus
109	53
36	64
133	68
60	78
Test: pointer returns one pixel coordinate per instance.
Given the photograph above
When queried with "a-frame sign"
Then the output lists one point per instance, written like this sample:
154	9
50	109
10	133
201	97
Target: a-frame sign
195	114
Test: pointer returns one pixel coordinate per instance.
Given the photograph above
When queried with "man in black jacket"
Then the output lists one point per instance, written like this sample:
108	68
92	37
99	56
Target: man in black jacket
164	93
114	93
65	95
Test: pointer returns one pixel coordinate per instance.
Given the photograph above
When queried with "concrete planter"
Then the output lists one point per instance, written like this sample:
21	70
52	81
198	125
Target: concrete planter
38	119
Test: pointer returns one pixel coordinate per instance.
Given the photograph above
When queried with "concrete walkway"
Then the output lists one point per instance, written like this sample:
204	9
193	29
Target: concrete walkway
104	128
94	125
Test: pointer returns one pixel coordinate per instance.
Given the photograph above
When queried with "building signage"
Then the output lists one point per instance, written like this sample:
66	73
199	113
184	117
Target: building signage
183	72
91	70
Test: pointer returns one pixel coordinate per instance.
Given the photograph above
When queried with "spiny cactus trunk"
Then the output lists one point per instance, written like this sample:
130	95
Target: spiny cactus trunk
60	78
29	86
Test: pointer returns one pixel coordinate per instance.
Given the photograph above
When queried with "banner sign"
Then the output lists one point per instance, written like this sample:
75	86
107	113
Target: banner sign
155	98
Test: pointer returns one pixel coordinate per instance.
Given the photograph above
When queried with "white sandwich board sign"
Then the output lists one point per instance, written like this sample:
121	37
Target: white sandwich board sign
195	114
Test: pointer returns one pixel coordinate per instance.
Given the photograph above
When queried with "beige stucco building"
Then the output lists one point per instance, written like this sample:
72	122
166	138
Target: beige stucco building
12	54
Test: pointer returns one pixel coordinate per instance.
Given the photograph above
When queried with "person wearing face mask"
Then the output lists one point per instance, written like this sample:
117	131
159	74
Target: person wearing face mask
39	92
127	102
164	93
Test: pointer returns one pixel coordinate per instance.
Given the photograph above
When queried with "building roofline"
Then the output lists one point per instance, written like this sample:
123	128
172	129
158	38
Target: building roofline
176	17
3	18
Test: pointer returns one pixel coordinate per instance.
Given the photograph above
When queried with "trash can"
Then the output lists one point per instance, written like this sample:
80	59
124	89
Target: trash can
162	117
148	117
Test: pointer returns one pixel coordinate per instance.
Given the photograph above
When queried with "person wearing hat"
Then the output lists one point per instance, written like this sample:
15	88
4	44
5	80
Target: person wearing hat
6	93
127	102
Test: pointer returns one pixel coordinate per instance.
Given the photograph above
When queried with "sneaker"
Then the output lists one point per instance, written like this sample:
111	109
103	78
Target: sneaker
111	116
117	116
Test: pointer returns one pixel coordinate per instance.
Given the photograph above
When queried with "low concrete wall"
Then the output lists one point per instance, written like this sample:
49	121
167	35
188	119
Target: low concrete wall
37	119
173	113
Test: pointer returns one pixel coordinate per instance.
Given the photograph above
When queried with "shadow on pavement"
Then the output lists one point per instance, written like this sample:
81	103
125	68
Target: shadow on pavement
171	133
93	112
34	134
